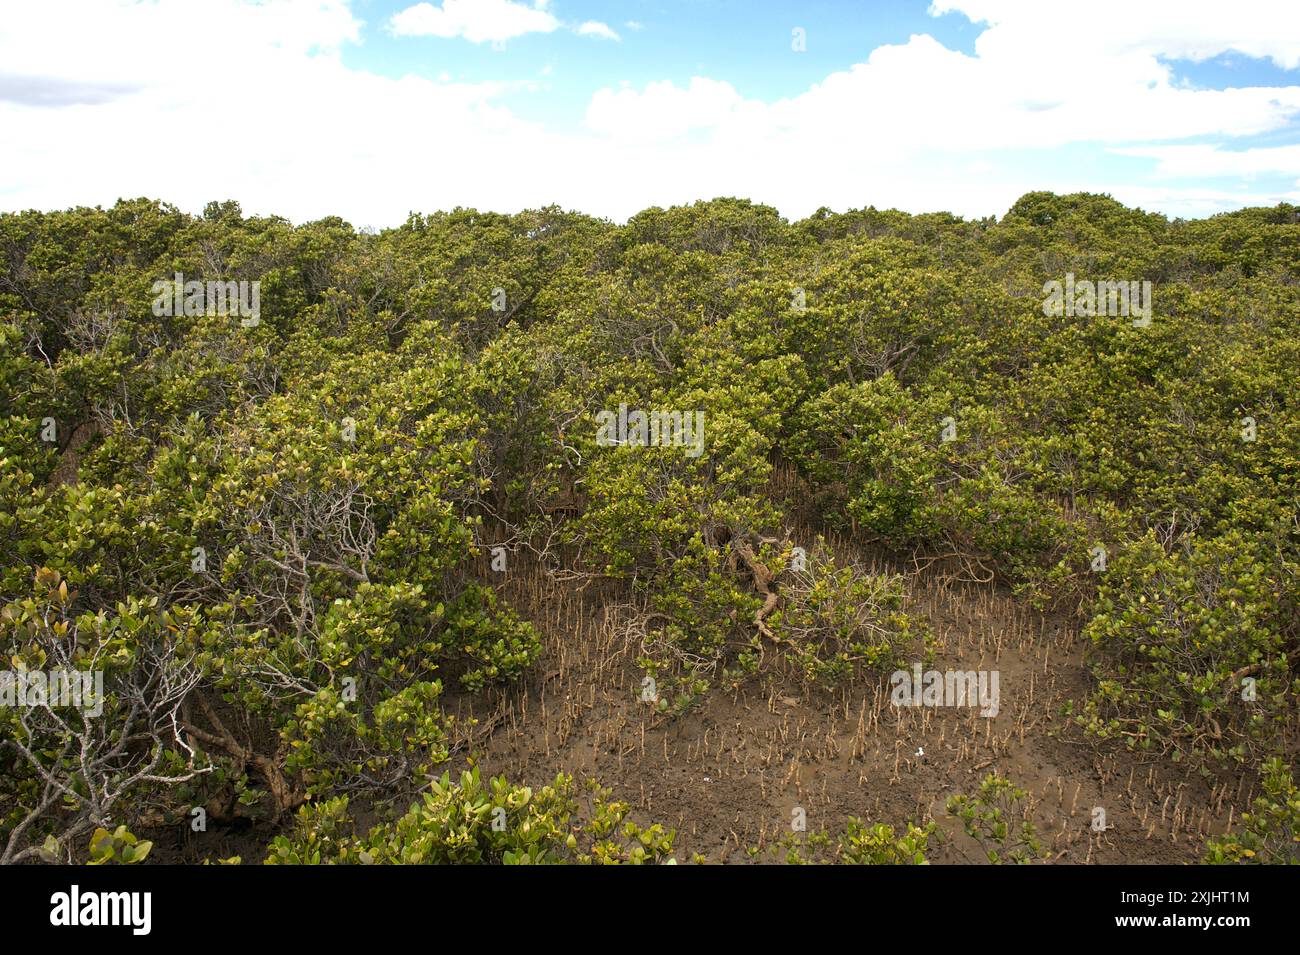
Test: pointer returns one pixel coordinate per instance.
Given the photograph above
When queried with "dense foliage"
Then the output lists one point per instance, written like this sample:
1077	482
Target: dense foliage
273	537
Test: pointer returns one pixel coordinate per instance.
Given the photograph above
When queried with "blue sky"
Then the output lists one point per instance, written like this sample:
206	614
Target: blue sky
745	42
374	108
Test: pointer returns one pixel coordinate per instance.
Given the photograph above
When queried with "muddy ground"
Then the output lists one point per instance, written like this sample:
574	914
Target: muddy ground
730	774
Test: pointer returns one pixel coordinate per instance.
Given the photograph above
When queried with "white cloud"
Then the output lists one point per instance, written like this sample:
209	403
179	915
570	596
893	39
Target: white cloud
1193	161
479	21
1072	34
231	100
193	100
131	42
926	127
664	111
597	29
925	96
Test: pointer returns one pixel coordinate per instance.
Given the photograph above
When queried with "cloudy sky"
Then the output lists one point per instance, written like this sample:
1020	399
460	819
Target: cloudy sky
372	109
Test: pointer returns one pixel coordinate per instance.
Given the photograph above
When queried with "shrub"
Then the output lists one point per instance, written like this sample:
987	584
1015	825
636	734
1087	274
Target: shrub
878	844
1190	651
836	622
468	822
1271	834
988	816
